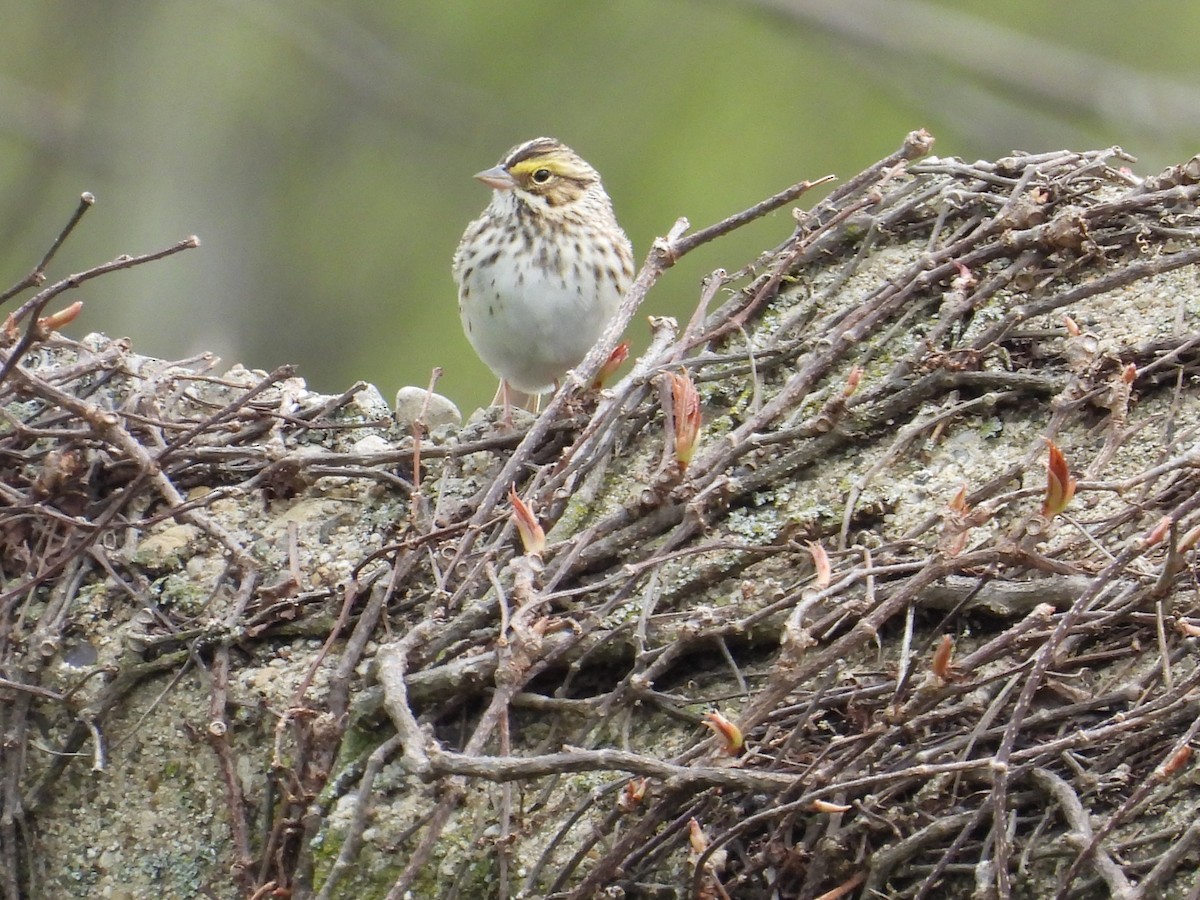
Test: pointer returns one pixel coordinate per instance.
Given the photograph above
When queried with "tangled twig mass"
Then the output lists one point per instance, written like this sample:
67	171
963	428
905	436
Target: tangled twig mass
908	521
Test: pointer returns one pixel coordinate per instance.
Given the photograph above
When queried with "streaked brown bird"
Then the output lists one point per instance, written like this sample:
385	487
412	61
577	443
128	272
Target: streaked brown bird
543	269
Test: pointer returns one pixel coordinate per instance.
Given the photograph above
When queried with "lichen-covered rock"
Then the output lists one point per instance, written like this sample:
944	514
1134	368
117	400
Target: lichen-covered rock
929	556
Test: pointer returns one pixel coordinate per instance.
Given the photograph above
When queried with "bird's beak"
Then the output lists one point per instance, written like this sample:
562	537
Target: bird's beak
496	177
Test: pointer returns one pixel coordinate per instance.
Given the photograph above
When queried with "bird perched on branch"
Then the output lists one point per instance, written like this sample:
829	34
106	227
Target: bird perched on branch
543	269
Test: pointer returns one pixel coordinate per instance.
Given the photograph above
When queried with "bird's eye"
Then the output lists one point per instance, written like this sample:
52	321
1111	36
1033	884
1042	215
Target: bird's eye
541	176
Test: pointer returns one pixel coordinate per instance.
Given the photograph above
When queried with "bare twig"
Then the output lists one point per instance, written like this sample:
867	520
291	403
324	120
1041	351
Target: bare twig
38	274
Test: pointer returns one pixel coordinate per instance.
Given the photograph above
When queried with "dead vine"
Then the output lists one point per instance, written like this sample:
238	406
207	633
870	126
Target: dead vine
1033	692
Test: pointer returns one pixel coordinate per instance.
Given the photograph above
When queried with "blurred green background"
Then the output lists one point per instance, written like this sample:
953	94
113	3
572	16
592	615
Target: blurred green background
323	152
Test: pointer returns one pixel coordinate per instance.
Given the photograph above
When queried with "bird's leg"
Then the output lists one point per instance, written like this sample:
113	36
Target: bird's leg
508	395
502	394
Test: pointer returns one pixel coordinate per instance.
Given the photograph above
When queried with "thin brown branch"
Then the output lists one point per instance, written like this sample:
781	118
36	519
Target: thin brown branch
38	274
33	307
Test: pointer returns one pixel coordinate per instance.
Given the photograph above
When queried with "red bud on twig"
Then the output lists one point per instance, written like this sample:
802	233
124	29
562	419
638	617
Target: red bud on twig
57	320
632	794
853	377
821	561
729	734
941	658
1156	534
533	538
686	416
824	806
1178	760
618	356
1060	486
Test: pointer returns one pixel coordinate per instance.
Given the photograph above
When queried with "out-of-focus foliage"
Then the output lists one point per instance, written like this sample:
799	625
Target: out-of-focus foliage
323	152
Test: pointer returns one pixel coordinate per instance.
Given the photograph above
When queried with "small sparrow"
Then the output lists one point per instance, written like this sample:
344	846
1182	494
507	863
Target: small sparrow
543	269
